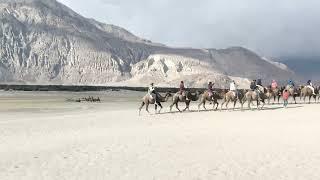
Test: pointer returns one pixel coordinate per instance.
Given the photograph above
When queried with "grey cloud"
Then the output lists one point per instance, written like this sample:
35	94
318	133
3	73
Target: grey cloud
270	27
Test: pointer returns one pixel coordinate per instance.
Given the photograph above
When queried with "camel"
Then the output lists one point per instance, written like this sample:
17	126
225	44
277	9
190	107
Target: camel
233	97
212	99
147	100
179	98
251	96
273	93
317	91
307	92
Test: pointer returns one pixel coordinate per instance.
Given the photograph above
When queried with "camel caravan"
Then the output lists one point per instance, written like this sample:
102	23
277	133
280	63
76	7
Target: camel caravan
256	95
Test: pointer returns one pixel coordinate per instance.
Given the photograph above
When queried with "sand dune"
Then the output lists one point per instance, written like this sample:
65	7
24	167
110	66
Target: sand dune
94	141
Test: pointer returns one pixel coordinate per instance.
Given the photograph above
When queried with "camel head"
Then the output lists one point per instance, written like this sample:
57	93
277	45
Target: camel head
168	94
198	92
301	87
195	96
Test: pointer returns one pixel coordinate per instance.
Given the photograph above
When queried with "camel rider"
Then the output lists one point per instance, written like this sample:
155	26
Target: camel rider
152	91
259	88
233	88
153	94
253	85
182	90
259	82
309	85
210	88
274	84
291	83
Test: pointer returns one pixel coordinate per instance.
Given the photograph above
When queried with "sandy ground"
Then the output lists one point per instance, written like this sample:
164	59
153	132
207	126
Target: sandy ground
59	140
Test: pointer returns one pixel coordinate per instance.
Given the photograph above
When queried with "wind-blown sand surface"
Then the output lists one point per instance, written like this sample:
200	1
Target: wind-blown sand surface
48	138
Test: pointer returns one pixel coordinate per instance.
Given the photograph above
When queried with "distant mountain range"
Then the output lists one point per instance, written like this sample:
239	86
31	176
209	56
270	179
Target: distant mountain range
305	67
45	42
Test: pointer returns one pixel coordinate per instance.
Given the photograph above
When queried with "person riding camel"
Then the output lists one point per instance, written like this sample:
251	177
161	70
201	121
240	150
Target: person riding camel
253	85
233	88
182	90
291	84
210	89
309	85
153	94
274	85
259	88
152	91
259	82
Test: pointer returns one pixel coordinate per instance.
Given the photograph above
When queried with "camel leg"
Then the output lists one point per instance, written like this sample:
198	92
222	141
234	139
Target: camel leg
249	104
252	103
234	104
310	99
155	108
142	104
160	105
227	104
171	106
147	108
242	102
258	104
204	105
263	103
223	102
216	102
160	109
187	106
199	105
177	106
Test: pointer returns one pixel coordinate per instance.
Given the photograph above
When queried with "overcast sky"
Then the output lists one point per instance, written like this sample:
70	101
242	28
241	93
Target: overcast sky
270	27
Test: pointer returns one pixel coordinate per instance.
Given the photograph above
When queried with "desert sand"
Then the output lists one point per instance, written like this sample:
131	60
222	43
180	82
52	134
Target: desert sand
44	137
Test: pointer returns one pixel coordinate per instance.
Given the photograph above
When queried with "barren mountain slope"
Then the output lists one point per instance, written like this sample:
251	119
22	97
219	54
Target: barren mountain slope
43	41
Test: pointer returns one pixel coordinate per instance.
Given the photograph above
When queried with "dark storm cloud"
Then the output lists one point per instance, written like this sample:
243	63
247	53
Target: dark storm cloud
270	27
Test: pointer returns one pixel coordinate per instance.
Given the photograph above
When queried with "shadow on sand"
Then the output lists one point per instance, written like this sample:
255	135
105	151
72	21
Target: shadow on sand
231	110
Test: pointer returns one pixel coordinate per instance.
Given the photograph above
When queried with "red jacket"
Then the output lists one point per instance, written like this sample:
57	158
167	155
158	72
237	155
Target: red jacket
274	85
286	95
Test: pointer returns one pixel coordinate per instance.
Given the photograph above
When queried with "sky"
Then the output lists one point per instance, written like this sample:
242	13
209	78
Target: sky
272	28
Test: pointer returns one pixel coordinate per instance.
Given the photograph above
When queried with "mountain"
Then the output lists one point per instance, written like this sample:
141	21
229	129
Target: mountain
305	66
45	42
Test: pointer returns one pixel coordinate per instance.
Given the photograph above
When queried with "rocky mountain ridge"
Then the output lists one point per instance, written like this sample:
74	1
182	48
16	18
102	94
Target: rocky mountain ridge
45	42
